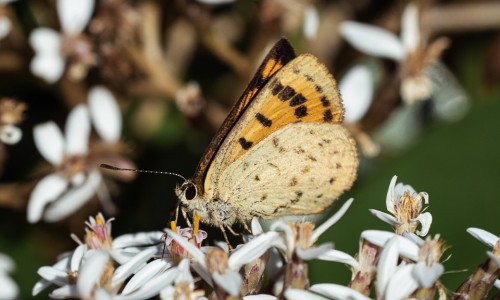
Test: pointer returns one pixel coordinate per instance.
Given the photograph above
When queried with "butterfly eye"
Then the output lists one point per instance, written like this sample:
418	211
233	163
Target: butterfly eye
190	191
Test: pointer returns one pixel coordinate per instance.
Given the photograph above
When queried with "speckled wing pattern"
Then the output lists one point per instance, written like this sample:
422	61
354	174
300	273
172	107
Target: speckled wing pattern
281	53
287	152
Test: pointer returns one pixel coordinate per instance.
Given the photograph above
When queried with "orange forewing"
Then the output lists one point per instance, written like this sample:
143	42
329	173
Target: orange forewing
281	53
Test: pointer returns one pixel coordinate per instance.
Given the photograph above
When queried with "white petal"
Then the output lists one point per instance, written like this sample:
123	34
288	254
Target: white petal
49	67
153	286
337	291
390	199
102	294
386	266
254	249
65	292
105	114
483	236
341	257
137	239
10	134
196	253
7	264
497	284
74	15
373	40
132	266
313	252
5	26
46	191
260	297
256	227
410	30
426	220
50	142
356	88
389	219
91	272
311	22
378	237
75	198
332	220
145	274
230	281
402	284
55	276
78	131
296	294
427	276
39	286
76	258
45	41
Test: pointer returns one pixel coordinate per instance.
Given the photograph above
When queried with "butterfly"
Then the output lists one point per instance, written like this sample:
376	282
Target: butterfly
281	151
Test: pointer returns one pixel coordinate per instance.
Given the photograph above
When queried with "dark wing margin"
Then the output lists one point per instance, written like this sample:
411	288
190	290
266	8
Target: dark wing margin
281	54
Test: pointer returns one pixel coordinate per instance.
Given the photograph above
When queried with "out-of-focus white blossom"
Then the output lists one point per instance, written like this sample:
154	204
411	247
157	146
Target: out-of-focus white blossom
9	289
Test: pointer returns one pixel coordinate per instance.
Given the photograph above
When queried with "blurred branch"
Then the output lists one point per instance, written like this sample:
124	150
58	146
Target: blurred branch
462	17
15	195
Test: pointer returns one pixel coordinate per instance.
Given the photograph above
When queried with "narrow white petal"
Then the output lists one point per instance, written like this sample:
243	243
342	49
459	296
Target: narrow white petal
145	274
50	142
390	198
46	191
76	258
132	266
78	131
7	264
427	276
410	30
337	291
311	22
53	275
402	283
5	26
91	272
387	264
74	15
75	198
341	257
407	248
313	252
373	40
105	113
230	281
254	249
48	66
389	219
10	134
260	297
39	286
296	294
483	236
137	239
196	253
426	220
289	236
45	40
332	220
256	227
356	88
153	286
65	292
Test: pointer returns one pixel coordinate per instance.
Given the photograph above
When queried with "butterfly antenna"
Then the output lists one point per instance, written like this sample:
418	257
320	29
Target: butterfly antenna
110	167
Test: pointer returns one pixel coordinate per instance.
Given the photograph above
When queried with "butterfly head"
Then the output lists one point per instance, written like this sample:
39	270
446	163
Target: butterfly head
189	196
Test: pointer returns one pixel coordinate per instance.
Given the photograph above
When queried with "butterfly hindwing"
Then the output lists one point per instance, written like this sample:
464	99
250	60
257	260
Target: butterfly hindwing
280	55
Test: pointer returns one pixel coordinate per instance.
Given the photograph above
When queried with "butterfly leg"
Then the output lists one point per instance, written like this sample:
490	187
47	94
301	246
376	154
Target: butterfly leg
232	231
245	226
225	237
185	216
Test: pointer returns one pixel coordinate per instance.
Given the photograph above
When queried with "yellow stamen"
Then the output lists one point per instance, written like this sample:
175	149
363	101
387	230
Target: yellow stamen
99	220
196	224
173	226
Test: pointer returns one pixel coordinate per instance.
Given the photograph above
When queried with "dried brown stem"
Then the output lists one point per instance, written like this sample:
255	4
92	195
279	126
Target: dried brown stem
479	283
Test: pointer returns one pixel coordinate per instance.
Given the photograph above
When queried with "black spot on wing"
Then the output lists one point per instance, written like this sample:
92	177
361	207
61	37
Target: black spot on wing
301	111
327	115
287	93
298	100
276	87
318	88
245	144
263	120
325	101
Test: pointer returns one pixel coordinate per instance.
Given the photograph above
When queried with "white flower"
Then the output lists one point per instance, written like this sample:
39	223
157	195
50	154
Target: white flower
219	269
325	291
405	205
183	287
417	58
5	23
489	239
311	22
77	178
51	47
356	88
9	289
399	280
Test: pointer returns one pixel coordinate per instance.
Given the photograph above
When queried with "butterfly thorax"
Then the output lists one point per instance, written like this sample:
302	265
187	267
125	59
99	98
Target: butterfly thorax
210	210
